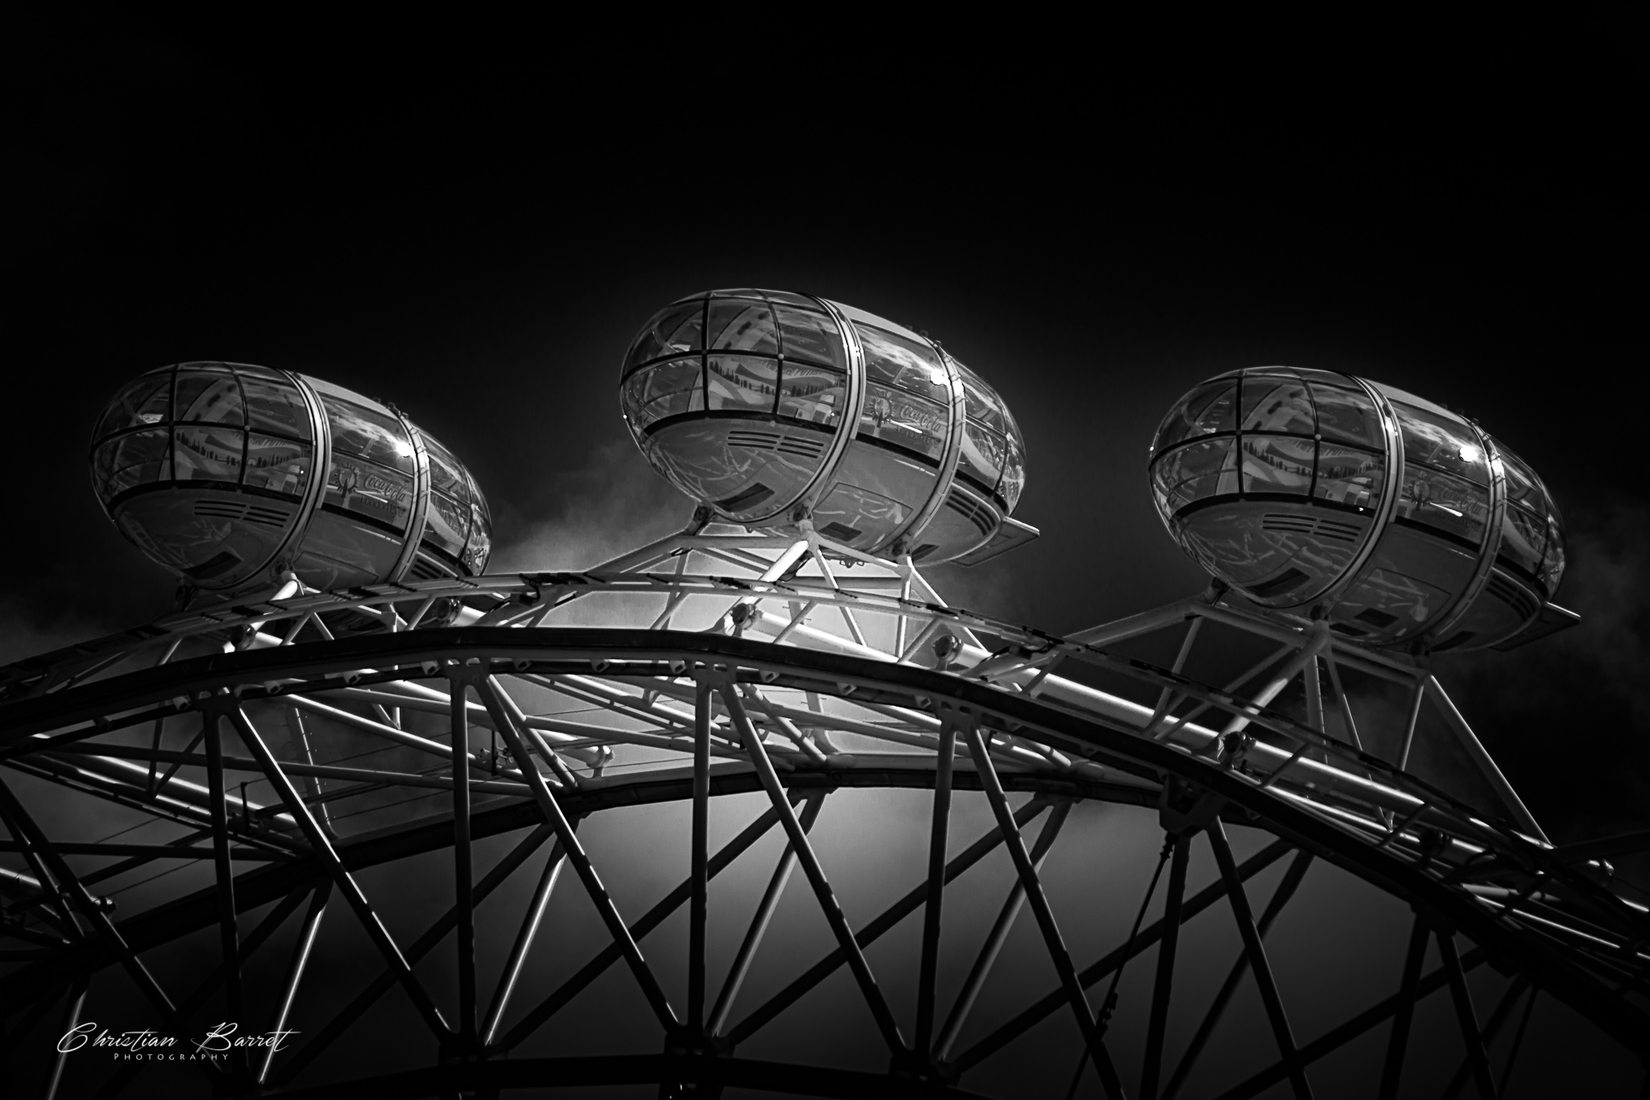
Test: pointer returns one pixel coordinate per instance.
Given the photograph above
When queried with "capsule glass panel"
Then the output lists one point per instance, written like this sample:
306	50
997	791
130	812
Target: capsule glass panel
812	394
1276	403
1210	408
1347	415
139	458
904	420
676	329
742	325
212	397
207	454
811	337
898	363
146	401
276	406
276	465
1195	472
1349	475
365	433
742	383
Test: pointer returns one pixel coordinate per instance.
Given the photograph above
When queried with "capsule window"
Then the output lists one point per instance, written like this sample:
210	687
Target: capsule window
207	454
447	524
144	402
897	362
1348	416
673	330
812	394
905	420
1444	502
370	490
210	397
275	405
736	325
445	474
742	383
664	389
1431	440
277	465
1523	487
369	434
811	337
1195	472
1523	538
1211	407
1273	404
1552	558
1014	469
141	458
983	405
1350	475
1277	464
982	455
480	546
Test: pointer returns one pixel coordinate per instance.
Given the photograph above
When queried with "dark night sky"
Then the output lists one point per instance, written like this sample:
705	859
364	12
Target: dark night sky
1093	228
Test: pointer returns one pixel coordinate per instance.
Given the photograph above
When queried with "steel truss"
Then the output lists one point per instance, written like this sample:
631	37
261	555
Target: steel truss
297	762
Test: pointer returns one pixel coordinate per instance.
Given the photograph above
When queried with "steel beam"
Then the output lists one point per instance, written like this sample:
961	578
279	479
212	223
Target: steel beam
1398	1038
816	875
530	922
295	971
1045	916
1471	1037
1257	958
1165	969
939	827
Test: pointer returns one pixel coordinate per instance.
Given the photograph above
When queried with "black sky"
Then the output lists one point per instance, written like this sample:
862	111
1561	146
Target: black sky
1095	220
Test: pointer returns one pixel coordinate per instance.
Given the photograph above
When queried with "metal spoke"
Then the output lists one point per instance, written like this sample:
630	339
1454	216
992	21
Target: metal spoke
650	920
347	886
300	962
938	830
1398	1038
698	903
553	815
1471	1037
759	923
1286	888
420	947
1503	1009
1257	957
1113	959
1045	916
1165	969
815	875
530	922
992	946
869	934
464	941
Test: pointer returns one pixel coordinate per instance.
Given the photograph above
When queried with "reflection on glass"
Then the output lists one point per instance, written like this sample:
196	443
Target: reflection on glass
368	489
208	454
1523	487
982	455
1348	415
1349	475
137	459
675	329
367	433
1276	405
810	336
983	403
903	419
1552	558
1195	472
211	397
1014	466
1277	464
276	406
1523	538
664	389
811	393
1431	440
447	524
1211	407
143	402
1444	502
742	326
896	361
481	536
742	382
445	476
275	464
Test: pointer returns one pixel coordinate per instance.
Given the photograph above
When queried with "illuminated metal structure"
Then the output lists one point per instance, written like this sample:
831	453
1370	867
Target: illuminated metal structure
230	475
428	848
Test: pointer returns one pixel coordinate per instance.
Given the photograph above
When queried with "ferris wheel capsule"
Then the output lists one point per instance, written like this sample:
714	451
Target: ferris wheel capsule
766	406
229	474
1395	519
